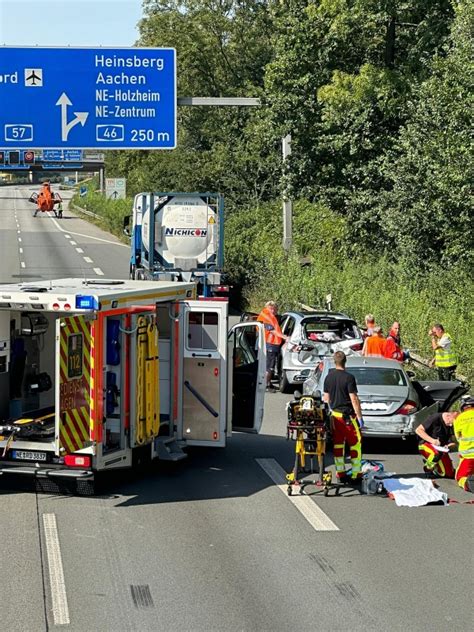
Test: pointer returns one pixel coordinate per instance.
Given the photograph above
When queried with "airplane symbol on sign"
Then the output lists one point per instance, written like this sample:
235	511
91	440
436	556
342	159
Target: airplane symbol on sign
34	77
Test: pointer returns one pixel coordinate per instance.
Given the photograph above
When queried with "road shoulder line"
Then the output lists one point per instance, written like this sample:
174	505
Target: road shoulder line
56	573
305	505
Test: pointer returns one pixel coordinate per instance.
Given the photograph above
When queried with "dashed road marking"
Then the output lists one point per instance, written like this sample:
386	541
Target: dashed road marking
73	243
79	250
23	264
105	241
67	236
98	271
305	505
56	573
21	251
19	239
87	259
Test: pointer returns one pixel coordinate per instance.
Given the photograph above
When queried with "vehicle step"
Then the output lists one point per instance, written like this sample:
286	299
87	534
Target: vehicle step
169	450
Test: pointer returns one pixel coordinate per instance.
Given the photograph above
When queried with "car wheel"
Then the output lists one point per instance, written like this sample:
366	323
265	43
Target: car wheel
285	386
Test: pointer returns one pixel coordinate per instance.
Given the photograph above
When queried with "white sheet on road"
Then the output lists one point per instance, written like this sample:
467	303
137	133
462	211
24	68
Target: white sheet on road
414	492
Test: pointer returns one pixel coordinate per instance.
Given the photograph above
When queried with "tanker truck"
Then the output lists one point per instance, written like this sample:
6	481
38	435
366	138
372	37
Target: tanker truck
178	237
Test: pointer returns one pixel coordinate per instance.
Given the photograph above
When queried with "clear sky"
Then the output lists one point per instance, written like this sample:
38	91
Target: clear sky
69	22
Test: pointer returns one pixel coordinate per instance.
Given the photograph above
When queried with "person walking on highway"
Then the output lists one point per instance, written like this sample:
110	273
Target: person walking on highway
464	435
274	338
445	359
392	346
340	393
436	432
374	344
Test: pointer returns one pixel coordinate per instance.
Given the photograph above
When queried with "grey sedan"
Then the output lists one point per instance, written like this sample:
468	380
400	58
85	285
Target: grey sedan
393	403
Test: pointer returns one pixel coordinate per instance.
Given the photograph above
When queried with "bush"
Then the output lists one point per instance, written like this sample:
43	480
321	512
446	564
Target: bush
110	212
388	290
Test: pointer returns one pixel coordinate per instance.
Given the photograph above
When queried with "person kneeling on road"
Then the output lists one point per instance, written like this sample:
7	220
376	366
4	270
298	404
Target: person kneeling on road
273	339
464	434
340	392
434	432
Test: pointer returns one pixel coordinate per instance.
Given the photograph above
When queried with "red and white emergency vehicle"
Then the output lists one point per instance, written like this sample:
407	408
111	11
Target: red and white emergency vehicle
97	374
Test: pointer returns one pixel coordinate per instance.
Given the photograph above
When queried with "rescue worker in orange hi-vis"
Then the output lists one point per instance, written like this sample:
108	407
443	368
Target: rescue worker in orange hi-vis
436	438
340	393
464	435
274	338
374	344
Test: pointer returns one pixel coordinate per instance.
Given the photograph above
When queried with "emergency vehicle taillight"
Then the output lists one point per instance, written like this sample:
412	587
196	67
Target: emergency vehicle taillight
76	460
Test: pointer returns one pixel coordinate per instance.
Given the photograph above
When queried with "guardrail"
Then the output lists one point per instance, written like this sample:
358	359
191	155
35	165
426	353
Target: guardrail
85	211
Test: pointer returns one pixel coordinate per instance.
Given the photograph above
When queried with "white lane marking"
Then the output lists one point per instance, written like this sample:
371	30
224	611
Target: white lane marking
98	271
106	241
23	264
21	251
18	231
87	259
56	573
19	239
305	505
73	243
67	236
79	250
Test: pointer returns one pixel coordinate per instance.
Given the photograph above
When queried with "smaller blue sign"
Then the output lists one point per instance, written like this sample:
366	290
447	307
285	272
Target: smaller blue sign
72	154
52	155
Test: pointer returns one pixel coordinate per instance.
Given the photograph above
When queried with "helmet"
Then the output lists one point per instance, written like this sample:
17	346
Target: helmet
467	402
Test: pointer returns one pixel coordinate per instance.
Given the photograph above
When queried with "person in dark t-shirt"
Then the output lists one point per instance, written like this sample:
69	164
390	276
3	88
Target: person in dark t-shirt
434	433
340	392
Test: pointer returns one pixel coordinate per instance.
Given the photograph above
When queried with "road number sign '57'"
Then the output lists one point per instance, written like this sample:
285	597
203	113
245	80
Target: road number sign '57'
87	98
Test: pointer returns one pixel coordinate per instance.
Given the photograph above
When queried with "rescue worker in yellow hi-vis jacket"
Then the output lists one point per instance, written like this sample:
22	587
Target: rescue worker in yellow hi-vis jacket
464	434
445	358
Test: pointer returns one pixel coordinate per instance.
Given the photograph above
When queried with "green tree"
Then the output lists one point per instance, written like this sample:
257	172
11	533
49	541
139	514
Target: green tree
429	213
341	78
222	49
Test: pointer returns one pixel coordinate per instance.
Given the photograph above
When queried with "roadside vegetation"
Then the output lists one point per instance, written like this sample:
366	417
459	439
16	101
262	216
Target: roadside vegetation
378	99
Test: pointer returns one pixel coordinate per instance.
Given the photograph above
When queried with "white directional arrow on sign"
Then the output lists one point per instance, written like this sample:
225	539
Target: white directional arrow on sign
81	117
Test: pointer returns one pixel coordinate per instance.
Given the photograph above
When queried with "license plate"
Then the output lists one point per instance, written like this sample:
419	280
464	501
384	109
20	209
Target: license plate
28	456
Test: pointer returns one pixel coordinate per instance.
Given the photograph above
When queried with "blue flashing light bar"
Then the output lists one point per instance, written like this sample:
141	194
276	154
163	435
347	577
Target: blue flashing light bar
85	301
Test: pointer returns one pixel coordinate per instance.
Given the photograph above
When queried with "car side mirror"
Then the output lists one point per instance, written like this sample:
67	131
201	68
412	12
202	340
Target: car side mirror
411	374
317	395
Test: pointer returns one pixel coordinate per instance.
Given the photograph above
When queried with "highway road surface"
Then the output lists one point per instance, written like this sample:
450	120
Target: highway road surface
213	543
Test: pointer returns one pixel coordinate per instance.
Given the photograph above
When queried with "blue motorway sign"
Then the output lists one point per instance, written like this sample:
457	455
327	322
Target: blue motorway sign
88	98
55	155
62	165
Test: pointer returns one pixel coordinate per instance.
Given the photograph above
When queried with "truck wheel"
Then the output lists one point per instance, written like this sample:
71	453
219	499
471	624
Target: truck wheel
284	385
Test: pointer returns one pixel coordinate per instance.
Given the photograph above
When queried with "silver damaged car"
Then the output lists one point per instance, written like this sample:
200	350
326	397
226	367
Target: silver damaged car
393	403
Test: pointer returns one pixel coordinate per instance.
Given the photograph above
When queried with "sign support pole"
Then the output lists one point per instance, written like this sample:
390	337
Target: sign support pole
286	149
